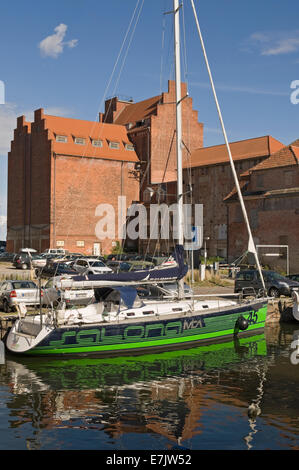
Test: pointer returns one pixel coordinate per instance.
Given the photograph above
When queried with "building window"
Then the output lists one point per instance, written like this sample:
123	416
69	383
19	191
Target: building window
61	138
288	178
260	181
97	143
79	140
114	145
60	243
80	243
129	147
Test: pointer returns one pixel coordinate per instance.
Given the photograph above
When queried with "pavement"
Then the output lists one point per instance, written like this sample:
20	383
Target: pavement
7	269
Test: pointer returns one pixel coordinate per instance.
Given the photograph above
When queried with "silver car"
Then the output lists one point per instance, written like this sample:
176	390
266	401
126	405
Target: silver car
52	295
12	293
91	266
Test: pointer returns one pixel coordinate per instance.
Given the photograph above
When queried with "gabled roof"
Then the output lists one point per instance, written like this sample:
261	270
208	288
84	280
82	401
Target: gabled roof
88	130
286	156
241	150
135	112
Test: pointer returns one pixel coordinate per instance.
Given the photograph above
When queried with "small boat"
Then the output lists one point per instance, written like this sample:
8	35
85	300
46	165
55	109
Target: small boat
120	323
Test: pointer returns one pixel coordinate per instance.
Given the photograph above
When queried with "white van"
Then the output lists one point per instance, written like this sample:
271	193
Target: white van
56	251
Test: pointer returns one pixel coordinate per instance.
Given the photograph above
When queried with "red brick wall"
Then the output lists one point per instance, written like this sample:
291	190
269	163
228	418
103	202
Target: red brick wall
18	183
80	185
275	178
274	221
52	198
163	140
211	184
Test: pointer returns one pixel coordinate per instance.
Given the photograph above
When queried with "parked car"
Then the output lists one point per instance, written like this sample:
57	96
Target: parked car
5	256
13	293
276	284
169	290
24	260
116	265
53	295
294	277
91	266
157	260
139	265
56	251
39	261
55	269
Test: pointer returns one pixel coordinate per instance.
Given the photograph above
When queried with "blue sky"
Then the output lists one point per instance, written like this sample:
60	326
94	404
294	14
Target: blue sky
67	57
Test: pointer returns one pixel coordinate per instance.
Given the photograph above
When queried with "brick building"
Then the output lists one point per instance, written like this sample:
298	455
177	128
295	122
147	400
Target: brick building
208	173
151	126
59	171
271	194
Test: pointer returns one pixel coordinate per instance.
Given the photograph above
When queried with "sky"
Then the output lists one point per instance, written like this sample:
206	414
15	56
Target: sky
68	56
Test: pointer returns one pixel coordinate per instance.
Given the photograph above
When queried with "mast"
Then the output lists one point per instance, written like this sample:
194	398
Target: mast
178	99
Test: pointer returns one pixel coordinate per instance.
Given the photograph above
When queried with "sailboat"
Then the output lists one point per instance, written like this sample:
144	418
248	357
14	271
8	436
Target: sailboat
119	322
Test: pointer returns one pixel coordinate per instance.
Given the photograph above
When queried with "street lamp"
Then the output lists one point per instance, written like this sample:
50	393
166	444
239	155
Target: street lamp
205	249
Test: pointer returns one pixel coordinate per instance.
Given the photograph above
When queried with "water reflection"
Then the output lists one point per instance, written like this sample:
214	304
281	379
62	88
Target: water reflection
197	398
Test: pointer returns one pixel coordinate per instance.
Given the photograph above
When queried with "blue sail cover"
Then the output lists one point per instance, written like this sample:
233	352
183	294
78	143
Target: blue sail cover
155	274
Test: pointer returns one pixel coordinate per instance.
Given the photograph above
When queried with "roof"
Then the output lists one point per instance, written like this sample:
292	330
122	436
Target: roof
241	150
286	156
135	112
88	130
234	191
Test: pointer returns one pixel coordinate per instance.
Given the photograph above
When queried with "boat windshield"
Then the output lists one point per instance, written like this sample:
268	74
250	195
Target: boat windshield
119	298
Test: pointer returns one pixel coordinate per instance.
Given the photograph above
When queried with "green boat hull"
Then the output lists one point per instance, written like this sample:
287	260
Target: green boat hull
144	337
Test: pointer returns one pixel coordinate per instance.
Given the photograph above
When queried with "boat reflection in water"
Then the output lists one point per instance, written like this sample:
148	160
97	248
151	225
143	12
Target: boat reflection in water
161	398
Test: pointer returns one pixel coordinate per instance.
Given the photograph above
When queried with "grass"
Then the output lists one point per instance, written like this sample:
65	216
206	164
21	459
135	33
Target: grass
211	280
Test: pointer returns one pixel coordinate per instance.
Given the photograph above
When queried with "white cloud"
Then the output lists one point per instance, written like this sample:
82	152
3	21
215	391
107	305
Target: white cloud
275	43
53	45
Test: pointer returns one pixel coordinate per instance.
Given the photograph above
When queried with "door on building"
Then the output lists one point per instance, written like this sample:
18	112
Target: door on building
96	249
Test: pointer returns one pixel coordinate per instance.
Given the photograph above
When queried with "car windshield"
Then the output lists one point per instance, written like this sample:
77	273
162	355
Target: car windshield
274	275
97	264
24	285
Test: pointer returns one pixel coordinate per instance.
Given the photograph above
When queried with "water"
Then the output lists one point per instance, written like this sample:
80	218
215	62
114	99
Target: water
197	399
